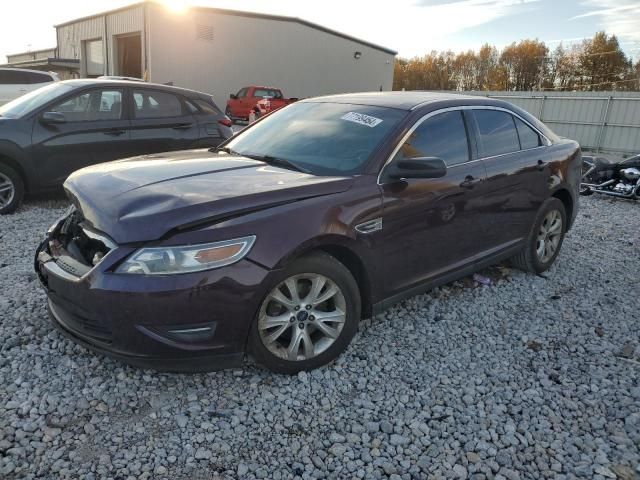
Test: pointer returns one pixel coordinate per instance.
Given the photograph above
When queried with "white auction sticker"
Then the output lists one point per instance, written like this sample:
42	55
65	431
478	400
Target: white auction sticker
361	119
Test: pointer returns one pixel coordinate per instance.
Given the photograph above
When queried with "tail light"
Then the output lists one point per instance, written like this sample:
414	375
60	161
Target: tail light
225	121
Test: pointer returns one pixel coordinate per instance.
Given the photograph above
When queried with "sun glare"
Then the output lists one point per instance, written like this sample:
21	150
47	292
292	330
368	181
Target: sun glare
176	6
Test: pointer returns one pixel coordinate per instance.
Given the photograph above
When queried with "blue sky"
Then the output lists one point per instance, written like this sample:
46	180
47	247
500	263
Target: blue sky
412	27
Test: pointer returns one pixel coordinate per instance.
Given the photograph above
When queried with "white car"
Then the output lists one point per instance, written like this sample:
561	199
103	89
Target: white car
15	82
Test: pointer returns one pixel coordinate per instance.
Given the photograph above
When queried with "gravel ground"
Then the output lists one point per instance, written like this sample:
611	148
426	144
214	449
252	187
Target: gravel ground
531	377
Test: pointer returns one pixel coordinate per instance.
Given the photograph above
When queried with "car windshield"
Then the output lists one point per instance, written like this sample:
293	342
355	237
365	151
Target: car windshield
321	138
33	100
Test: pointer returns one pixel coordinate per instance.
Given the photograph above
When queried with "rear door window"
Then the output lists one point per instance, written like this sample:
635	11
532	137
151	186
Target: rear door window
242	93
529	138
154	104
443	136
498	133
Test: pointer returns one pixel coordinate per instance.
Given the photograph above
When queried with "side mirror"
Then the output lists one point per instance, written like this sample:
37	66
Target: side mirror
233	96
420	167
50	118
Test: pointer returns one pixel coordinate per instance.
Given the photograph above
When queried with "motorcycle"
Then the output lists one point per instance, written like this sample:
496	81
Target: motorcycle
616	179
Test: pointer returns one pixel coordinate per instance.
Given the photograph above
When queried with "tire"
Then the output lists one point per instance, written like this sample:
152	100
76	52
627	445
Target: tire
529	258
302	337
11	189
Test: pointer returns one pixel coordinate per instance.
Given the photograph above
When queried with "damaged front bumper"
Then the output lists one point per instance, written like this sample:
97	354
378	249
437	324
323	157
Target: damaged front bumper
189	322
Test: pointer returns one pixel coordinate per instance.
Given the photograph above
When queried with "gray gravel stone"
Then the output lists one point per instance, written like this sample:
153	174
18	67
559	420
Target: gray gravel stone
519	379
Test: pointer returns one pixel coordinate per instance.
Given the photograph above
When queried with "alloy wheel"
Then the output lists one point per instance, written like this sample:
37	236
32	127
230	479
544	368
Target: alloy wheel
302	317
7	190
549	236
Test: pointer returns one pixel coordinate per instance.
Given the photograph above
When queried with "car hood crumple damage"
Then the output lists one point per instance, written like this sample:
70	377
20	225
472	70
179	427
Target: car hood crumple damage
143	198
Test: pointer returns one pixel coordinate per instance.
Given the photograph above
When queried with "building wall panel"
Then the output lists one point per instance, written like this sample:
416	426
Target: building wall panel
301	60
121	23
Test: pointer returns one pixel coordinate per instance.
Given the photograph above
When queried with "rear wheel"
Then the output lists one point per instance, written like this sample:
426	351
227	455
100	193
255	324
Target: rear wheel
11	189
545	238
227	112
308	317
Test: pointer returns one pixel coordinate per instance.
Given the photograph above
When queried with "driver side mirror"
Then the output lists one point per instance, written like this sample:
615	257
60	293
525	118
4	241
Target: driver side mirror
420	167
233	96
50	118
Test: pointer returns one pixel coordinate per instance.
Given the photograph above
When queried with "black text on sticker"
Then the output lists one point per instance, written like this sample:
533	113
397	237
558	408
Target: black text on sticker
361	119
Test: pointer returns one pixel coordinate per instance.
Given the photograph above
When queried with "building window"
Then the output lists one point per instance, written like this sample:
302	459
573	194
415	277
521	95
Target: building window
94	58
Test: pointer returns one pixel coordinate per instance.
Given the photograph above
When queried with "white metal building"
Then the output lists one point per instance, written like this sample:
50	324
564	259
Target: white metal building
46	59
219	51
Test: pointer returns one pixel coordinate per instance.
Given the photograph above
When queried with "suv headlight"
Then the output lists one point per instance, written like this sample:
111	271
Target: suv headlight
187	258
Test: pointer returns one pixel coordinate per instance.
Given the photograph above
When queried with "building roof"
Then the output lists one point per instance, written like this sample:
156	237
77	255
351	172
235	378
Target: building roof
31	52
240	13
68	63
401	100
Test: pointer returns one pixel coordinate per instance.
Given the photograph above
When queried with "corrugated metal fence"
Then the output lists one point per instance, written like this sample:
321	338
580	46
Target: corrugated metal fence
600	121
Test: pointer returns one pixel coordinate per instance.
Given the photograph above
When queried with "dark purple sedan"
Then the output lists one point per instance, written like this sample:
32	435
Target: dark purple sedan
278	242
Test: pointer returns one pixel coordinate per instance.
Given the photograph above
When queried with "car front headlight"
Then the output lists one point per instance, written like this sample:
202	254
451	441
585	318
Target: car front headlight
187	258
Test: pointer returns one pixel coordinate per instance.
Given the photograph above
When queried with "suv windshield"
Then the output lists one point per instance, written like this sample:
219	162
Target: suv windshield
321	138
33	100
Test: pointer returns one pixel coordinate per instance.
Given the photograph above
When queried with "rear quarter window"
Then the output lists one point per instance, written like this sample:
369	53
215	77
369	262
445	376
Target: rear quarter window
206	107
529	138
14	77
35	78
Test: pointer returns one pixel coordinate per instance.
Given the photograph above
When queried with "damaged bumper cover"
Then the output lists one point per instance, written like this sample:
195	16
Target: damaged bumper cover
189	322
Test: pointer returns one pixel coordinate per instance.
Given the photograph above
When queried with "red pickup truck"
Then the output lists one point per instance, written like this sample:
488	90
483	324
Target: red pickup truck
240	104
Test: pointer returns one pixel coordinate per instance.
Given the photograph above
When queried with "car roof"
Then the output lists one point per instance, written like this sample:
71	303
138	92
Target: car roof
84	82
406	100
26	70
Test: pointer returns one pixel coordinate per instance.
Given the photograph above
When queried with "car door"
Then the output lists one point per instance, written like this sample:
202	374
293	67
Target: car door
92	129
238	105
161	122
517	175
430	226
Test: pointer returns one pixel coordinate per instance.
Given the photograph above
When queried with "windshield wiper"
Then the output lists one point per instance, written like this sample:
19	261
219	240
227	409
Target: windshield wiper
276	161
223	149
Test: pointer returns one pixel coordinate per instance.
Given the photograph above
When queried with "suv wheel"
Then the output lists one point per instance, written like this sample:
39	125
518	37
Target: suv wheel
308	317
227	112
11	189
545	238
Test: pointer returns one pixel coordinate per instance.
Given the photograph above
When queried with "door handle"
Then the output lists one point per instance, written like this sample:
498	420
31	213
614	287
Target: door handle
183	126
541	165
469	182
115	132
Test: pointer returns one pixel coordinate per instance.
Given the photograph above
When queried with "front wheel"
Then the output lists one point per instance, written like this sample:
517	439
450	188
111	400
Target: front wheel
308	317
545	238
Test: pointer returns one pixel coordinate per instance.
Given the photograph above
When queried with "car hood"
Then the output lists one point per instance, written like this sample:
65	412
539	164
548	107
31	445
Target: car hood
143	198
